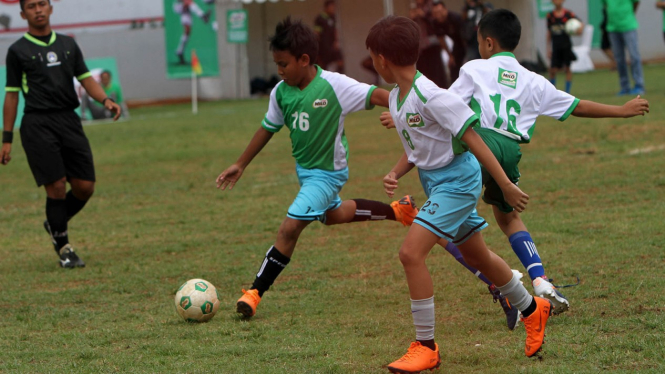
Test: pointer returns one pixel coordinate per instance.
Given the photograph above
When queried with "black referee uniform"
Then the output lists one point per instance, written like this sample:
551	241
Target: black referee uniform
44	68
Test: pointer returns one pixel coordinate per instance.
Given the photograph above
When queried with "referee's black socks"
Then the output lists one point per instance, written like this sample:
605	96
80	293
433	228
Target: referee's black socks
56	215
74	205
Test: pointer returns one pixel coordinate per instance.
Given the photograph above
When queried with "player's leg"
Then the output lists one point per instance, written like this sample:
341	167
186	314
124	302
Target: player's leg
423	354
569	78
535	310
186	20
78	196
524	247
318	193
512	314
359	210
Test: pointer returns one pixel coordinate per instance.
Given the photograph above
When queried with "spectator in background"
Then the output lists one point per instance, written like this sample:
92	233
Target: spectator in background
112	90
661	5
622	26
325	27
450	24
605	44
430	63
559	45
472	12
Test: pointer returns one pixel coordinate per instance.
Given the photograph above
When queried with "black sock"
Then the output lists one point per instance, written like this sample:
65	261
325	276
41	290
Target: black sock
74	205
530	309
272	265
367	210
429	344
56	215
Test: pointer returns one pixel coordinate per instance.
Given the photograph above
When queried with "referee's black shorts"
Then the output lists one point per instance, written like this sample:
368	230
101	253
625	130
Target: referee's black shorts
56	147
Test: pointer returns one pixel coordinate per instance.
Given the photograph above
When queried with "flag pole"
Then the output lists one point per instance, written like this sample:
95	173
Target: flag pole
195	104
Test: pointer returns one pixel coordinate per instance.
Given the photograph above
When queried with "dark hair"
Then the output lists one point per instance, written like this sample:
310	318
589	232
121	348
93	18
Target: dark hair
396	38
22	3
328	2
439	2
296	38
106	72
502	25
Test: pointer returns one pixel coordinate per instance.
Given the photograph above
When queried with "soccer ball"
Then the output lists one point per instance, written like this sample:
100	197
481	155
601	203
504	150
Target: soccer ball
573	26
196	300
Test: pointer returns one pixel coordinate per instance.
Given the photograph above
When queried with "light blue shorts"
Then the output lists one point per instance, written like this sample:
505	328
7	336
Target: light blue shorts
319	193
452	194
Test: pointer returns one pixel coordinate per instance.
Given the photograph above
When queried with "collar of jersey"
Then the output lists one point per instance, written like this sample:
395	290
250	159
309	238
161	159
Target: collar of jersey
413	84
505	54
39	42
318	74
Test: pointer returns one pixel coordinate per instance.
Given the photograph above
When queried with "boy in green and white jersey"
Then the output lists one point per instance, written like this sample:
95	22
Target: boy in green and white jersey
509	98
312	104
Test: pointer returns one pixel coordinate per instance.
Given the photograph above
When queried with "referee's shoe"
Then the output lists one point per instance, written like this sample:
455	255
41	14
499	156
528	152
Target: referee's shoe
68	259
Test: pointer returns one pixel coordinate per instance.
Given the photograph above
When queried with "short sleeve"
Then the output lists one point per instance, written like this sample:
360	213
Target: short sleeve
450	112
556	104
80	69
14	72
274	119
353	96
463	86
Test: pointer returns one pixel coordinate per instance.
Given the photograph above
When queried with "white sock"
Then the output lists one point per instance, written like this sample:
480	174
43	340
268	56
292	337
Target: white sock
423	318
515	292
181	46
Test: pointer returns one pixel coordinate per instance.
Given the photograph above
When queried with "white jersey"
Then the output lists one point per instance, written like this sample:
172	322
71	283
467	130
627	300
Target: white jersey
430	122
508	97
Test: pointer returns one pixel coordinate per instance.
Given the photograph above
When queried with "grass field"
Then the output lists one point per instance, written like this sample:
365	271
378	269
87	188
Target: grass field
342	305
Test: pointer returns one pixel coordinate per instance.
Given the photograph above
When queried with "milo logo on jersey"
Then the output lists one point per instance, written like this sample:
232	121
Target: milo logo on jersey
508	78
320	103
414	120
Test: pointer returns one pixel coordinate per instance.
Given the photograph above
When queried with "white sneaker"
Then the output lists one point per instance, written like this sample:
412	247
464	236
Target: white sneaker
545	289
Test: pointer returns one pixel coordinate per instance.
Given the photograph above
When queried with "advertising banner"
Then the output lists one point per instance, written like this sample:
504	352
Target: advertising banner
190	25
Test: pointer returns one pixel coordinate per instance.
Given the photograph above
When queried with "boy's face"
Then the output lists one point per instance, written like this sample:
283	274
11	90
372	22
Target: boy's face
291	69
37	13
557	3
379	63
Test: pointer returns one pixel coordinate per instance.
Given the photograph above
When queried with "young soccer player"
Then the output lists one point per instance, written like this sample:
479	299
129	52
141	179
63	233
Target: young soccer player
559	45
312	104
435	127
509	98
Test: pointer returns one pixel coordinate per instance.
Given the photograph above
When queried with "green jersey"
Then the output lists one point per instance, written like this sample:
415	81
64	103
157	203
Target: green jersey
315	117
621	15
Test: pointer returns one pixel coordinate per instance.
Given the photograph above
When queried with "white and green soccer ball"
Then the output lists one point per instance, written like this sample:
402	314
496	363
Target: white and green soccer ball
196	300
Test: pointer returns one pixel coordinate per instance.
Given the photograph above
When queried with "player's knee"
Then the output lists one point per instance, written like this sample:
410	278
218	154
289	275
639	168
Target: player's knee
409	258
57	189
84	191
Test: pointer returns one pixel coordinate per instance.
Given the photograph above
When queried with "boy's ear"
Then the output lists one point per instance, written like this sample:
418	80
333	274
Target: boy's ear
304	60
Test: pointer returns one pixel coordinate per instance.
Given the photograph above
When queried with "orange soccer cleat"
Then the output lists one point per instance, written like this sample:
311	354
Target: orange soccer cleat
248	302
405	210
535	326
417	358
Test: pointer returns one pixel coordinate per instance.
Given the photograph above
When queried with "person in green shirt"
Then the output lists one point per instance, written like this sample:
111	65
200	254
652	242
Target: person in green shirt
112	90
661	5
622	28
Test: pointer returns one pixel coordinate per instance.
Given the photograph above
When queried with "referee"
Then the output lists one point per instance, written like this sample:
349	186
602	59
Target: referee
43	65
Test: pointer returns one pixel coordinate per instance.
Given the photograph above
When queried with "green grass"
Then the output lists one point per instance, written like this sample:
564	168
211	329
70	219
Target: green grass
342	305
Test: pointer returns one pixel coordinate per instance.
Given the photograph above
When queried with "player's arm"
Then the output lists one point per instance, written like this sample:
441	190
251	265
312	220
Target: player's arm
591	109
513	195
96	91
9	111
379	97
230	176
636	4
660	4
390	181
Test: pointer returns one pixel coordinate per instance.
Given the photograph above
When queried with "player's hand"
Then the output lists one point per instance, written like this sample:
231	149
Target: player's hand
229	177
387	120
515	197
114	108
390	184
636	107
5	156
